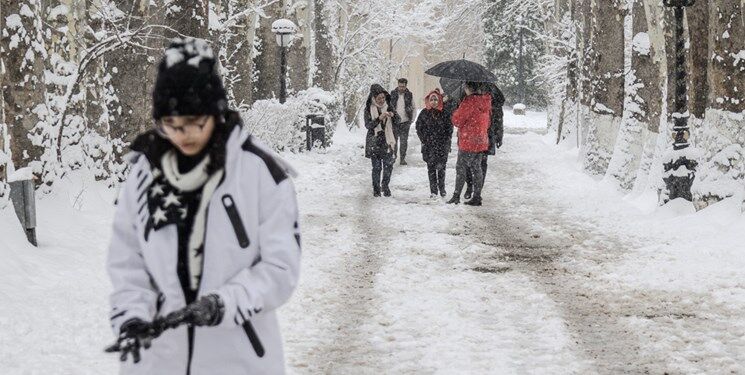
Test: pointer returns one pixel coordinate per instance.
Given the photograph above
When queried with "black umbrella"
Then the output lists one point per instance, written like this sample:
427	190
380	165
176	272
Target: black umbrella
452	88
462	70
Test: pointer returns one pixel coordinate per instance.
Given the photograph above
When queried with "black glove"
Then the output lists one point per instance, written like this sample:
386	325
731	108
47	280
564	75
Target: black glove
133	335
206	311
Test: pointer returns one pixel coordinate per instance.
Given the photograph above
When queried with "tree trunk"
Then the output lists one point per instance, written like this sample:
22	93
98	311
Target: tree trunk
324	74
608	84
132	78
586	67
635	147
241	47
297	52
722	170
567	127
727	39
190	20
3	152
23	86
698	30
267	62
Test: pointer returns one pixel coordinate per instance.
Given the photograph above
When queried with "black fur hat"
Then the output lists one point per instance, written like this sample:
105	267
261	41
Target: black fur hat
188	81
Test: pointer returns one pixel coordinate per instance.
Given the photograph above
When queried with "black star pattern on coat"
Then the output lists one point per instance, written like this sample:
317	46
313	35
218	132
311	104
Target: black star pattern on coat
166	204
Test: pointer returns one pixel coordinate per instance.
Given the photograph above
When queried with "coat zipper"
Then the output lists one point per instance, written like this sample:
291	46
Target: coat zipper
235	220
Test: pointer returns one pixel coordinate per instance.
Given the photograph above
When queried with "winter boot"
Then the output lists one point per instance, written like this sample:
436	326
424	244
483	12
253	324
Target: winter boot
386	191
376	191
403	162
468	193
454	200
475	201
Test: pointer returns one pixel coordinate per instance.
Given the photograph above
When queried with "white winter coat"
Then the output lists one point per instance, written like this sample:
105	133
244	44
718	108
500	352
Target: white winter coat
254	271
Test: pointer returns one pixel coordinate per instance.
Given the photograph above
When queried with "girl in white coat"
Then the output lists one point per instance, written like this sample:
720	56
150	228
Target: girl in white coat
205	232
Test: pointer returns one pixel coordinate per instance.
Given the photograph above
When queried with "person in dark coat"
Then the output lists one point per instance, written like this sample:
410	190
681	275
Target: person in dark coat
473	119
496	133
380	146
402	101
435	131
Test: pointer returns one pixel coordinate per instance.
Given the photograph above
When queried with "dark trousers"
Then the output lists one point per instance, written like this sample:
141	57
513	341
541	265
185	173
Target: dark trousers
469	163
469	177
436	172
382	164
401	131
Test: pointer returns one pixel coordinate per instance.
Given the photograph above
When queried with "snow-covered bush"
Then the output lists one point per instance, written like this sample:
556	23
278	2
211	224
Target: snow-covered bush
282	126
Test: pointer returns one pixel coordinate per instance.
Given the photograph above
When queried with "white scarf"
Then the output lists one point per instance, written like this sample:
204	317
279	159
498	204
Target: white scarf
375	112
188	182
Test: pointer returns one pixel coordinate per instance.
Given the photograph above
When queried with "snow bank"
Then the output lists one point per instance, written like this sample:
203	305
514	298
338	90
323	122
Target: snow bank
531	120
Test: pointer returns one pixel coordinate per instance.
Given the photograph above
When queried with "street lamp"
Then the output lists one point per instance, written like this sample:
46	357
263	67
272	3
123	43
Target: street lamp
679	169
284	29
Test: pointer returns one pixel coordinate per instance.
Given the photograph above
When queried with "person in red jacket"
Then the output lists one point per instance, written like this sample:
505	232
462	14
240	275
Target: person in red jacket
472	118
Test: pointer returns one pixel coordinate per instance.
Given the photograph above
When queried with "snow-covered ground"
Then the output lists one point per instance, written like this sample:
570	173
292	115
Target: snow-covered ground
556	274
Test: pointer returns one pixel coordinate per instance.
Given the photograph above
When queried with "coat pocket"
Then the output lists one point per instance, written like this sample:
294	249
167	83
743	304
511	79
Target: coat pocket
253	338
235	220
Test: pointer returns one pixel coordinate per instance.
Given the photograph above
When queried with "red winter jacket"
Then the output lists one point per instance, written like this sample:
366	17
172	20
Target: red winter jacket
472	118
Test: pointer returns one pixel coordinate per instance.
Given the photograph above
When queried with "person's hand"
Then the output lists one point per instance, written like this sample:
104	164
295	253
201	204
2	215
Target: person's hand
383	116
499	143
134	334
206	311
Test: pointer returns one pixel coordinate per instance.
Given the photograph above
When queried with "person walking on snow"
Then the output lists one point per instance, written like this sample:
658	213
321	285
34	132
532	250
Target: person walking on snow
205	230
402	101
380	144
435	131
496	133
472	118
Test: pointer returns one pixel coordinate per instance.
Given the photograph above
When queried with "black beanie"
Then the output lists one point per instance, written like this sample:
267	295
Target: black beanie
188	82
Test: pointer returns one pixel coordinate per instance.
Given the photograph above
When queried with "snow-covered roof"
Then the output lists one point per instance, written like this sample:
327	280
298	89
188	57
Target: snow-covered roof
283	26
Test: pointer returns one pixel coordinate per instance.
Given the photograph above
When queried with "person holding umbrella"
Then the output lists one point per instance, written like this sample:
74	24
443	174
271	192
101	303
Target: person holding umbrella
435	131
496	133
380	144
472	118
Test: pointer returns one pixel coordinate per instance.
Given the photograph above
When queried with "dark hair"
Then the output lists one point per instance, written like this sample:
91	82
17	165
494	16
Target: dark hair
375	90
403	80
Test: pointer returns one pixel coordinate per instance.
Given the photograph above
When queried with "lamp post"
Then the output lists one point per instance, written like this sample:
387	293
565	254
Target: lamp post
284	29
679	169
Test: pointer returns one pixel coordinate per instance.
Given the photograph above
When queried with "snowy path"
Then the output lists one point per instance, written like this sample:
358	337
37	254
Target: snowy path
522	285
556	274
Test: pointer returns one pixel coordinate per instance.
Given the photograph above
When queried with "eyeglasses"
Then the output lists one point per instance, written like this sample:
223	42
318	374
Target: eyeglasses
191	126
